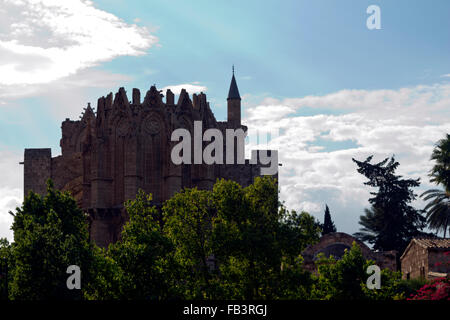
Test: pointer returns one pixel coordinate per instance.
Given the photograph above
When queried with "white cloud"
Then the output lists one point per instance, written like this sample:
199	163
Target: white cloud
46	40
273	112
87	78
66	97
11	192
9	200
190	88
446	75
405	122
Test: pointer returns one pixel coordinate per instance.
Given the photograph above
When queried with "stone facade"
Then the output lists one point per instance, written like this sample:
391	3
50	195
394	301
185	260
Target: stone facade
336	243
125	146
426	258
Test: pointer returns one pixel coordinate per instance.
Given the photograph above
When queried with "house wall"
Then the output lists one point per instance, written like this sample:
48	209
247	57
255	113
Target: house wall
415	263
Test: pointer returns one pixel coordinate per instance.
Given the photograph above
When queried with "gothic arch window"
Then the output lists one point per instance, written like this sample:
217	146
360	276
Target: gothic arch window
121	130
154	154
186	169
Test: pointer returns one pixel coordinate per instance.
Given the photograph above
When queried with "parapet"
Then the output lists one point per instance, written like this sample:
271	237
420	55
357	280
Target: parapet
37	170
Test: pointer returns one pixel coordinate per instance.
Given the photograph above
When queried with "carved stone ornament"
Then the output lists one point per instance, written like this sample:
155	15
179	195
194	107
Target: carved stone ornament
151	126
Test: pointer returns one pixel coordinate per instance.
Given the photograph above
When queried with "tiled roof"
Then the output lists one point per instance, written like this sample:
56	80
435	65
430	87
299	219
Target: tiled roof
428	243
433	243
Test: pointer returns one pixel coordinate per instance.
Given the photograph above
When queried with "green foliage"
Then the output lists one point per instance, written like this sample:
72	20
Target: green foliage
437	209
140	261
249	236
343	279
226	243
294	282
238	243
298	230
258	242
187	223
407	288
328	224
391	288
440	173
106	282
50	234
6	265
346	279
391	222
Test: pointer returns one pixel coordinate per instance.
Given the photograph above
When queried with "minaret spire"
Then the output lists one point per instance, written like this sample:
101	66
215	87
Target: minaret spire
233	93
234	103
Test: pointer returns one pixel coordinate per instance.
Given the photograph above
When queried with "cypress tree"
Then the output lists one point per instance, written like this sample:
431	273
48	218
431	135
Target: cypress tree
328	224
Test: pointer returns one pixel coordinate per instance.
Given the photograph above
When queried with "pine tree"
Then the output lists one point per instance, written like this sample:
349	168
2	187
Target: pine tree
391	222
328	224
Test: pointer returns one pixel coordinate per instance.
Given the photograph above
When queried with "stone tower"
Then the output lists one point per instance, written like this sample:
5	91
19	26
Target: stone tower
234	104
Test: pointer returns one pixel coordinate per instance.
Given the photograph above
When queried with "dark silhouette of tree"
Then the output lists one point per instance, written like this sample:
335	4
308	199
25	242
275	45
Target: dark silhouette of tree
440	173
391	222
438	209
328	224
143	254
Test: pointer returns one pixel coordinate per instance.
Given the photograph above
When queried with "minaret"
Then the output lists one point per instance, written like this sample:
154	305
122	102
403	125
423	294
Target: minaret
234	104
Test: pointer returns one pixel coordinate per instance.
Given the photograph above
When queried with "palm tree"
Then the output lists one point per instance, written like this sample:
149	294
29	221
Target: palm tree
438	209
440	173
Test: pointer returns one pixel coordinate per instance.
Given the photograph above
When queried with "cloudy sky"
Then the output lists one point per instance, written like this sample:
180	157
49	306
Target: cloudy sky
310	69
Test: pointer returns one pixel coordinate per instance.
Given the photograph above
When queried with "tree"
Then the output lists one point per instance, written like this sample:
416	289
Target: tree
187	220
106	283
297	231
440	173
343	279
391	222
246	237
6	266
142	258
238	243
257	242
438	209
346	279
328	224
50	234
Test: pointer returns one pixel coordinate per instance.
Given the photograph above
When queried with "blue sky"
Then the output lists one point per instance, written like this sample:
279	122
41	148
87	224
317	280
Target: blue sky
309	68
289	48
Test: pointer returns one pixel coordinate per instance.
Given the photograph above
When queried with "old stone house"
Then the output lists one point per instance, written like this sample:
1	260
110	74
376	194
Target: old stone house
426	258
108	155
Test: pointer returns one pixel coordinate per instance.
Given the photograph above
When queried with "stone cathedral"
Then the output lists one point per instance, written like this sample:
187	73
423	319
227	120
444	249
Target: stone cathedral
108	155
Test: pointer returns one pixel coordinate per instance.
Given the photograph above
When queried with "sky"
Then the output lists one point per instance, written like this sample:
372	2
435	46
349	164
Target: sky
311	70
